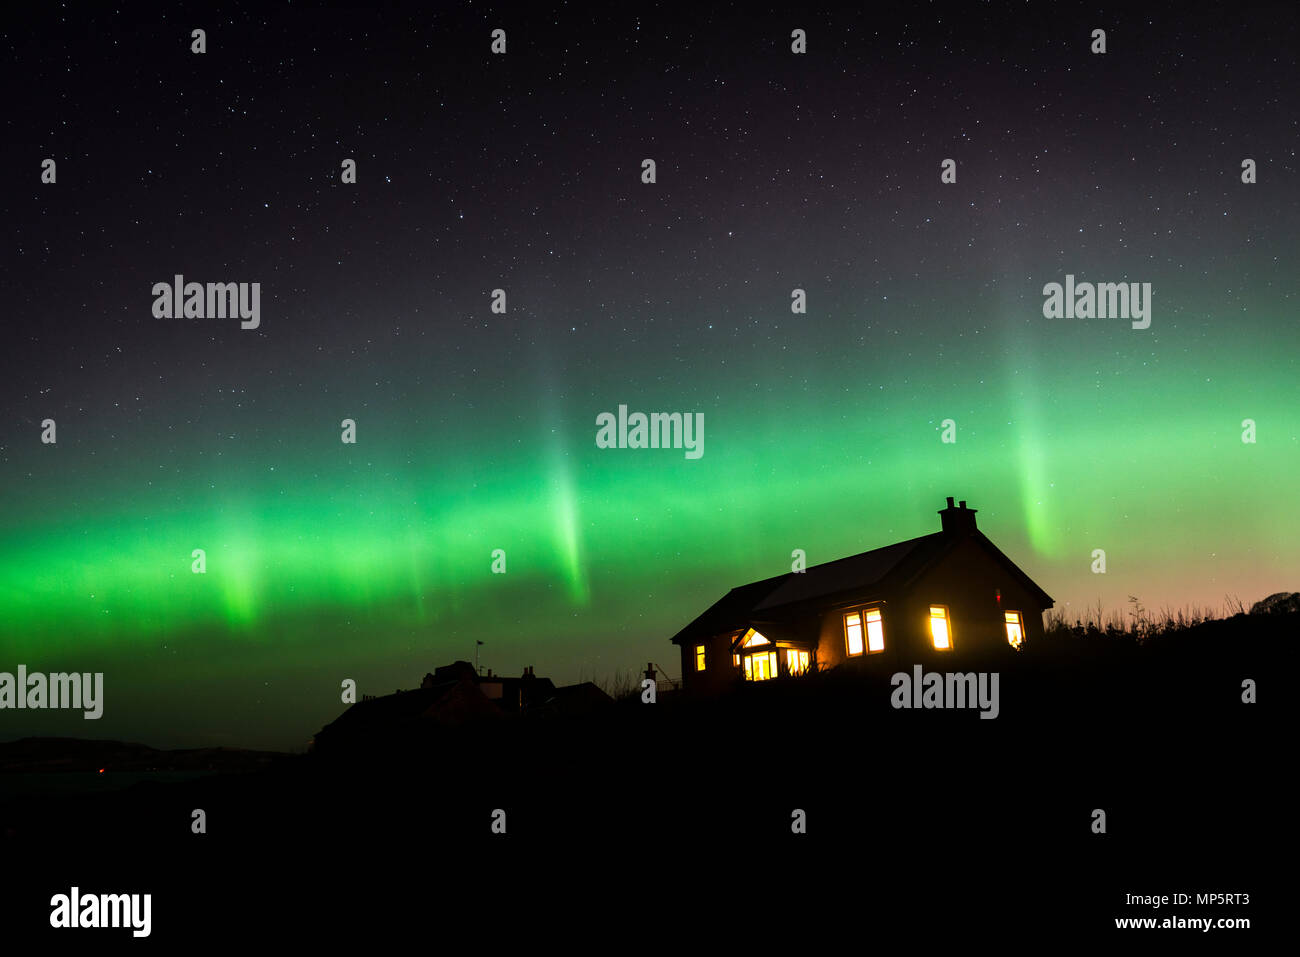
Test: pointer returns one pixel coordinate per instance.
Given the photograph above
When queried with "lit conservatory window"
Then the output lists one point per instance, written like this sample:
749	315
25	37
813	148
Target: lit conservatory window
796	662
875	631
939	627
699	657
760	667
1015	629
755	639
853	631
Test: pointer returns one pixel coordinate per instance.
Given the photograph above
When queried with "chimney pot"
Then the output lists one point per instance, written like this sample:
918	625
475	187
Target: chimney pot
961	504
950	501
958	521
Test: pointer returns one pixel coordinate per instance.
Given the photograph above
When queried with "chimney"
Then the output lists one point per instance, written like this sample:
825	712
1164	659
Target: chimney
959	520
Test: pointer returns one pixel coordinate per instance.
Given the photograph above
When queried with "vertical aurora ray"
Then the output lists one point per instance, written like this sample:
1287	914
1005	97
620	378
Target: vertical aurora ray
562	494
565	516
1034	472
416	579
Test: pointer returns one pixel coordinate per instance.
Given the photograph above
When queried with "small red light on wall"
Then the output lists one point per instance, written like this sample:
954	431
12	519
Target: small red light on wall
101	770
999	593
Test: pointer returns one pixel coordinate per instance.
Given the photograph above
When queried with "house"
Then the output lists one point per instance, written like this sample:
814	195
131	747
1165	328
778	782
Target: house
577	701
945	594
452	701
511	695
527	694
454	696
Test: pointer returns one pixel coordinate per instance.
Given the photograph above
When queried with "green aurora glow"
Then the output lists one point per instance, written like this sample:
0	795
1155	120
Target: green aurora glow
477	431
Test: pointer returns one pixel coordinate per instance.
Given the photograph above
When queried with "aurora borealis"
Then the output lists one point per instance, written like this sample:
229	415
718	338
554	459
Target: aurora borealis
476	431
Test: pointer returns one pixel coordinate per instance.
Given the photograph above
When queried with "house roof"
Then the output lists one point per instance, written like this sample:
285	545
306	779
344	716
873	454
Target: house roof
447	702
578	699
856	571
777	631
731	611
879	569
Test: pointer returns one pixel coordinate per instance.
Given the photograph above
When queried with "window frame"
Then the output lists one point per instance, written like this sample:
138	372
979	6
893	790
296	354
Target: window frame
946	618
772	664
866	628
1020	626
862	635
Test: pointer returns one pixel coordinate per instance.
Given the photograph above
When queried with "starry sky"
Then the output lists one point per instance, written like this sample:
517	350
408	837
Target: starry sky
476	430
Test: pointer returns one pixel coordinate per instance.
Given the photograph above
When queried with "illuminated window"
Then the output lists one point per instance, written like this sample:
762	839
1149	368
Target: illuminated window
853	632
939	628
699	657
853	622
796	662
1015	629
755	639
735	660
875	631
761	666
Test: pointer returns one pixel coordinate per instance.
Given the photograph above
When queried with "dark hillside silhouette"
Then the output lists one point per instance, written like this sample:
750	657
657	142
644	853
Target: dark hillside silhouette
658	797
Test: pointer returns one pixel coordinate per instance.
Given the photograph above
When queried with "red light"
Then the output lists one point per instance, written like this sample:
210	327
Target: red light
101	770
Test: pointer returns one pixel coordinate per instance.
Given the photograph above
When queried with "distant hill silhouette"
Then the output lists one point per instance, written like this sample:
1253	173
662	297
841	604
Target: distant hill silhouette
80	754
1279	603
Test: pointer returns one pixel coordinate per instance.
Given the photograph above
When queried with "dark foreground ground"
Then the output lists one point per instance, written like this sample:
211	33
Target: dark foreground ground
669	825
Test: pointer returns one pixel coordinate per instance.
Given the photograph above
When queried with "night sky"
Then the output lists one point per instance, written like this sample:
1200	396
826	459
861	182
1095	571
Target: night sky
476	430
